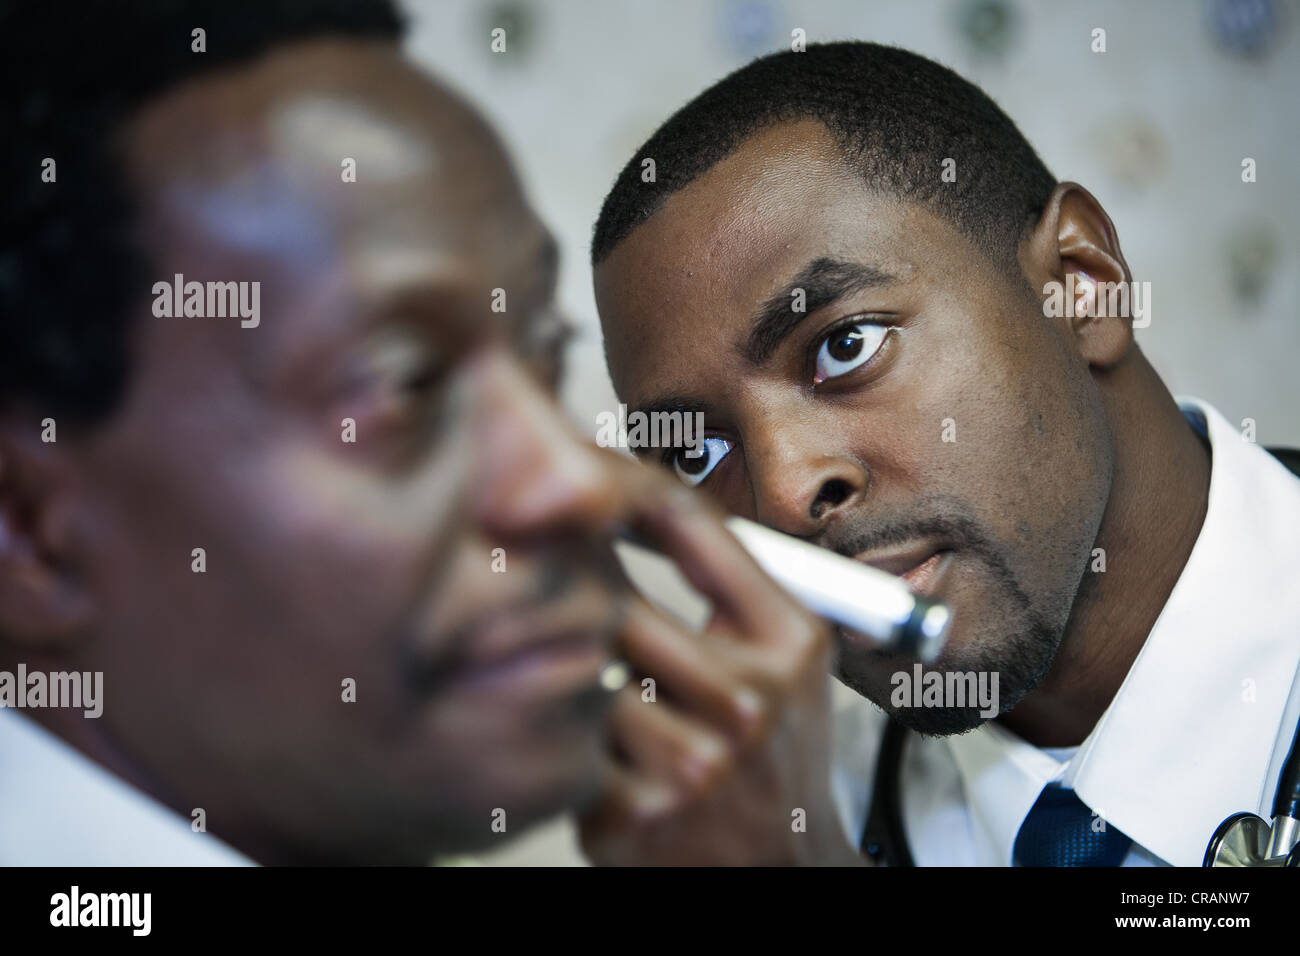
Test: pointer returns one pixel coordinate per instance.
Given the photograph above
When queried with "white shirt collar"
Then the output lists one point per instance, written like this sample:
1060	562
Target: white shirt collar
59	808
1191	735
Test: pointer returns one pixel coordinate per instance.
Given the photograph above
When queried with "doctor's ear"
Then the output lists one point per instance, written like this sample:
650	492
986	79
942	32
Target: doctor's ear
1073	253
44	603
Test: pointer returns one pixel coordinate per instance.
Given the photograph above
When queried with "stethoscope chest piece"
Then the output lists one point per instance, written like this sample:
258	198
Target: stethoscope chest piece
1245	839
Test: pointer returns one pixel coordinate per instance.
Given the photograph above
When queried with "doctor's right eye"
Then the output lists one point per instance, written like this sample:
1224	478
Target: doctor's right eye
694	465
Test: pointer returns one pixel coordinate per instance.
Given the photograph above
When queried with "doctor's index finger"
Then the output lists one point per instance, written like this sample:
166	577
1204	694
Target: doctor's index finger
688	530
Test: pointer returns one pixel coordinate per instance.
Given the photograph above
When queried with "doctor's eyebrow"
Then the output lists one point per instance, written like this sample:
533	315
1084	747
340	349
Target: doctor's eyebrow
823	282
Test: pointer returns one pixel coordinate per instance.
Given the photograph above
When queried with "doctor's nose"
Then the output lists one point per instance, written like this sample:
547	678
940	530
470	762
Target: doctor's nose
798	488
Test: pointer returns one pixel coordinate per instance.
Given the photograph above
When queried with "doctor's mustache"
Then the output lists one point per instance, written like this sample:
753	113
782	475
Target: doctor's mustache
948	522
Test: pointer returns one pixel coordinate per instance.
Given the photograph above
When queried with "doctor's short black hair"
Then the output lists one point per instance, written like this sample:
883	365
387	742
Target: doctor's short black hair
73	73
896	117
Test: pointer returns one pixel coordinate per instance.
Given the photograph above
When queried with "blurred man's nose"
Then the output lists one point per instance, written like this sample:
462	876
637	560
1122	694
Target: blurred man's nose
799	477
534	473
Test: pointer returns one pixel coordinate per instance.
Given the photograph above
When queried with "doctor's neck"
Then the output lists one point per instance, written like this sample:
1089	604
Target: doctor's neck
1157	503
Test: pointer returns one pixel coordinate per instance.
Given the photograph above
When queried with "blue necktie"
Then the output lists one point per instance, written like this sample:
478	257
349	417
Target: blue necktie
1059	831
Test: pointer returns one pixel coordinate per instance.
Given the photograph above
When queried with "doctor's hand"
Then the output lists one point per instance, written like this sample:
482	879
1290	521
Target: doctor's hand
727	762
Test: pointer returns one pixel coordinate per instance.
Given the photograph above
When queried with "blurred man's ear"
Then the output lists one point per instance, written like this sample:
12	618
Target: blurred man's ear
1075	244
44	602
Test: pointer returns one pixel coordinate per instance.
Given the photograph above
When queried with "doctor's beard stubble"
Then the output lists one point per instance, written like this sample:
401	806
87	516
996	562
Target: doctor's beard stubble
1019	645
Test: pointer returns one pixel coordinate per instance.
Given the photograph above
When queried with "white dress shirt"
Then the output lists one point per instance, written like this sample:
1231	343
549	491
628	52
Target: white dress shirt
59	808
1197	731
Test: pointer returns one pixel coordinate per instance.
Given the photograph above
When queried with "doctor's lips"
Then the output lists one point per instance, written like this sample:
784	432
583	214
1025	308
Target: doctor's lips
920	564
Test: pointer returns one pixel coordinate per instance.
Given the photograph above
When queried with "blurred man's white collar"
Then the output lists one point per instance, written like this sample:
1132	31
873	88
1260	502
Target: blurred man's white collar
59	808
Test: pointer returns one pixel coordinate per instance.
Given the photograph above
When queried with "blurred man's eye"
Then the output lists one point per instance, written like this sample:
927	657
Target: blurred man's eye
543	347
694	465
421	378
402	367
392	386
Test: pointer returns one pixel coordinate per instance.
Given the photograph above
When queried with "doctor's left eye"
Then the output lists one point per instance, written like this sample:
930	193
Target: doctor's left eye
694	470
848	347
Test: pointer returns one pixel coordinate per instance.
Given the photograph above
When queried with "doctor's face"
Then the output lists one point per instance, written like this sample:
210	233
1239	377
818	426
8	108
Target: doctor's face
872	382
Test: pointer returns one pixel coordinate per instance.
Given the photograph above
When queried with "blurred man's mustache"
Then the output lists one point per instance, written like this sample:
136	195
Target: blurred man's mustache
431	664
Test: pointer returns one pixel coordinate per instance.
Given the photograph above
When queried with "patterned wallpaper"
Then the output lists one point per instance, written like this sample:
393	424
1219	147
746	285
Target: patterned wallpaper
1156	126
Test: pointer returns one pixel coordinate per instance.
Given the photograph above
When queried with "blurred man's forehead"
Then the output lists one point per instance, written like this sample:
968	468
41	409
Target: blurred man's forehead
326	148
345	181
314	105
